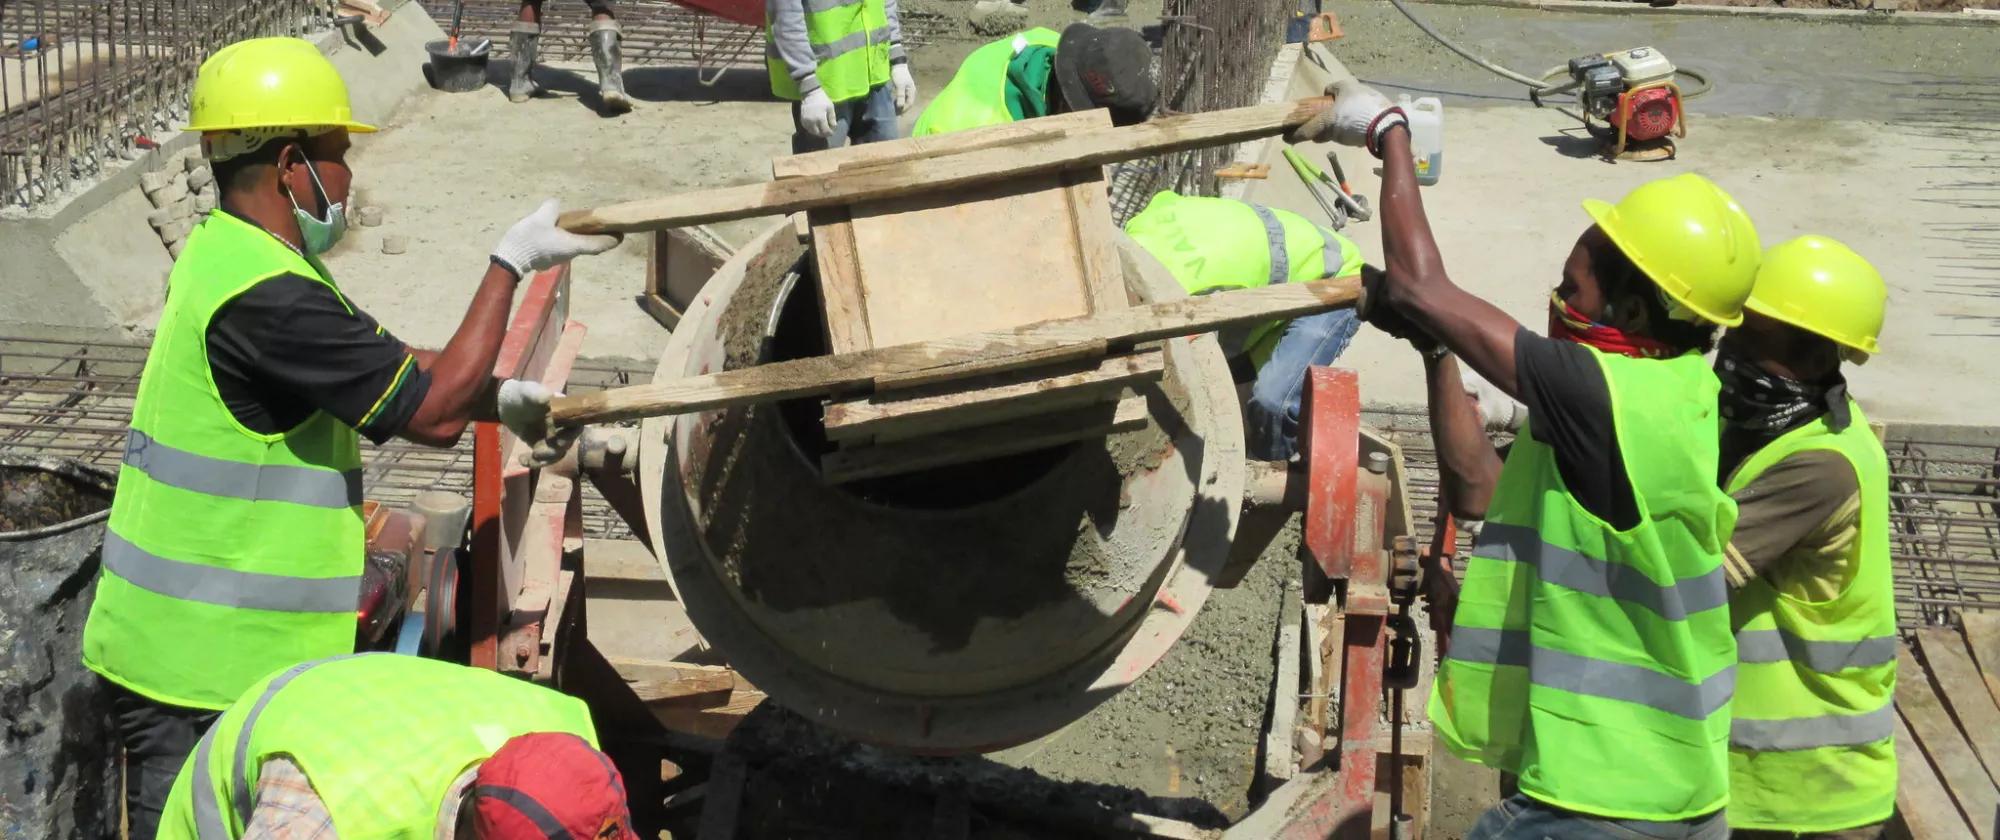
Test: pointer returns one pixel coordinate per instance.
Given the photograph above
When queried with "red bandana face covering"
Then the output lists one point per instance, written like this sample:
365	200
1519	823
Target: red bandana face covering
1568	324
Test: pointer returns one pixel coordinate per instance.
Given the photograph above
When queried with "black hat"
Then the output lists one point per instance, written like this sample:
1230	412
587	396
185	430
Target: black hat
1106	68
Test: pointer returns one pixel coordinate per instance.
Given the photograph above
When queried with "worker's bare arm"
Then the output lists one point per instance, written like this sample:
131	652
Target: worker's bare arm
462	383
1468	467
1418	286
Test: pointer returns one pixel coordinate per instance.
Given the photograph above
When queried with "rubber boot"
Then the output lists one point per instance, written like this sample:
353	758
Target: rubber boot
610	72
526	40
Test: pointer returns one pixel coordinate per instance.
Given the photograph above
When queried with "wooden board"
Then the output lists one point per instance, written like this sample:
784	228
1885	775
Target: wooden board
1011	438
1946	747
855	372
1982	637
844	312
679	262
951	161
1965	691
1924	810
992	399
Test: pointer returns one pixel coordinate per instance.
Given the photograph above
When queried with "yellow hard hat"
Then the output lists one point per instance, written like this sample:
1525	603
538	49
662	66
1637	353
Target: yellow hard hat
1822	287
1691	238
270	83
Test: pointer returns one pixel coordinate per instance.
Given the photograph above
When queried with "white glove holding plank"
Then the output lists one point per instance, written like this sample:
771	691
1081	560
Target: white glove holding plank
524	410
1358	117
536	243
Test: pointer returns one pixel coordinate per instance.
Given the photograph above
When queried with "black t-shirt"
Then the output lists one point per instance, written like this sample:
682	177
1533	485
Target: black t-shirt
290	346
1569	410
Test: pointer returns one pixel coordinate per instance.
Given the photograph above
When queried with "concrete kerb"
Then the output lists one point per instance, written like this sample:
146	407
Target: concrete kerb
1970	17
53	284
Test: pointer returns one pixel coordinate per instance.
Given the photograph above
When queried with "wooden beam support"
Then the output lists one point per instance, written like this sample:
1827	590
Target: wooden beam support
939	164
990	400
855	372
1954	759
1039	432
1965	691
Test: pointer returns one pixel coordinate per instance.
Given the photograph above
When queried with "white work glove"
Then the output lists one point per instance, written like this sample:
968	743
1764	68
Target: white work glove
1497	411
816	114
903	88
524	410
1358	117
535	243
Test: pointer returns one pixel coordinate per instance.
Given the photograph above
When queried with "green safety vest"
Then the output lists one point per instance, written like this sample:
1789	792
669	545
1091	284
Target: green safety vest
977	95
850	40
1217	244
1811	747
1597	664
381	736
230	554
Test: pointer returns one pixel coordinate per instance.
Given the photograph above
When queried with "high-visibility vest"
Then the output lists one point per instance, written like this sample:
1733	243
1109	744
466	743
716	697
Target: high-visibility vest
850	40
1217	244
977	94
1597	663
381	736
230	553
1811	744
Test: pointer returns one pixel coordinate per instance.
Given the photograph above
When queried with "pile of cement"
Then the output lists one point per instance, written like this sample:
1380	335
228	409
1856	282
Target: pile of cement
60	775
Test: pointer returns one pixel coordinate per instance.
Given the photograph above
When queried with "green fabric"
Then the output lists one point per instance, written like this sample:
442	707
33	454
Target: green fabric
1216	244
1850	779
214	574
978	95
852	45
381	736
1595	663
1028	82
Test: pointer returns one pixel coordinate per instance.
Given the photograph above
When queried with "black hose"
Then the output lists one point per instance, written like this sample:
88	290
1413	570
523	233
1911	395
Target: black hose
1537	88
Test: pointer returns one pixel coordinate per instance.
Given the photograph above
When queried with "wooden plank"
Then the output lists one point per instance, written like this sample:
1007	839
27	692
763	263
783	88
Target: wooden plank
1965	691
1096	238
990	399
1006	362
1280	760
1982	637
824	375
945	162
1013	133
985	257
843	305
713	722
1933	727
1042	431
1924	811
704	689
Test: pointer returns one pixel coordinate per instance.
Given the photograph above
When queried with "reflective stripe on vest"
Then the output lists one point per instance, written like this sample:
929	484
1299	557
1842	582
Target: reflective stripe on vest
836	49
1824	657
207	810
1813	732
1572	570
252	482
1594	677
850	46
1274	239
228	587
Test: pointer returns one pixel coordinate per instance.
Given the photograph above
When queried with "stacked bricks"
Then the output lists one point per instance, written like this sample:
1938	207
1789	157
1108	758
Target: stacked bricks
182	193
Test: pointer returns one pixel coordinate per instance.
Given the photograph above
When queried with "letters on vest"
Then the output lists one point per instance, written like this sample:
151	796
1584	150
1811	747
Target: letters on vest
229	554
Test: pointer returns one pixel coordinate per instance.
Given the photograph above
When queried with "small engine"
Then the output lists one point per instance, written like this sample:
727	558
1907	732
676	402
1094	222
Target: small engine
1633	93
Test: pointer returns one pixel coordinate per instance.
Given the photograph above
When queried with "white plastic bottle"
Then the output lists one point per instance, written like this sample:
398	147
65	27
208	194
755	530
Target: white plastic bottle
1426	116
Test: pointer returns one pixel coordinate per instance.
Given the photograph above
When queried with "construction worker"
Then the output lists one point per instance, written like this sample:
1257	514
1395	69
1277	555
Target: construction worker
382	745
843	67
1591	652
526	40
235	544
1218	244
1815	615
1037	73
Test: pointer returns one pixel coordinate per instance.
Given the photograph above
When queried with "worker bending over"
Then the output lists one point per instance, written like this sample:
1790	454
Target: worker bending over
1591	652
1815	615
1218	244
843	67
1037	73
525	41
235	545
382	745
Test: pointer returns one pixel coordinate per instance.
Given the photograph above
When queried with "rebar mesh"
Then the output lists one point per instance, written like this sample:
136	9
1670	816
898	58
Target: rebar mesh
653	32
1214	55
83	81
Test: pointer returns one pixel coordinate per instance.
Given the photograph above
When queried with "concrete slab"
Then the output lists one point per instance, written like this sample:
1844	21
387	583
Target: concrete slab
1905	191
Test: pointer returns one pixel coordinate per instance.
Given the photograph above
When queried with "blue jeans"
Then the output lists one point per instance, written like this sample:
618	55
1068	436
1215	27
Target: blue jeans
1521	817
870	119
1271	420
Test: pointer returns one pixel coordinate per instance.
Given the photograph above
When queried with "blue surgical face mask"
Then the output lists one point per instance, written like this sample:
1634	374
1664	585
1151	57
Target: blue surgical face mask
317	236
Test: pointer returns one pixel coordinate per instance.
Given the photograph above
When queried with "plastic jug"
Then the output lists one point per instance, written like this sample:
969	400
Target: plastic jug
1426	116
